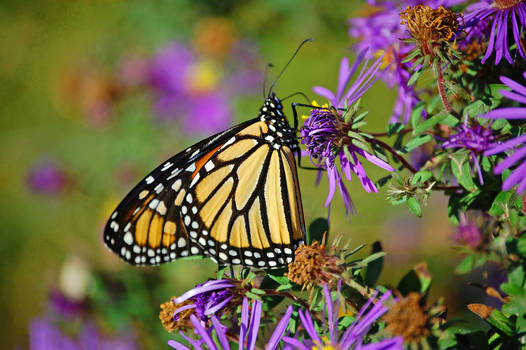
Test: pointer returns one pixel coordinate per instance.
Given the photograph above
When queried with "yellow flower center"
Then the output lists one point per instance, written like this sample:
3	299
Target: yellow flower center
202	77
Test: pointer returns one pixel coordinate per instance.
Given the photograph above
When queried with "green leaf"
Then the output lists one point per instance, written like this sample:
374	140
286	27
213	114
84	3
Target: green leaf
414	77
421	177
282	280
429	123
416	114
462	171
417	280
498	320
466	265
317	229
500	203
414	206
394	128
374	267
416	142
476	108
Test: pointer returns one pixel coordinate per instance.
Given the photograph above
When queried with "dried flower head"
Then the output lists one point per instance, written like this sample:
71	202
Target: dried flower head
431	28
313	266
408	318
176	317
411	318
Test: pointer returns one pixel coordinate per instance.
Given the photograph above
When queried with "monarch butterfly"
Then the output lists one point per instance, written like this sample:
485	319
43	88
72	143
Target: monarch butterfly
233	197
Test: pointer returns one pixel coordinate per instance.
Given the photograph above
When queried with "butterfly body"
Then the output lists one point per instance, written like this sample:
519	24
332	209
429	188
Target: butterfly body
233	197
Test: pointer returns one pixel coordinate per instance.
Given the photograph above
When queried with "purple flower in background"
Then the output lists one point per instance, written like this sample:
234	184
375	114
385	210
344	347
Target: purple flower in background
208	298
500	13
65	306
354	334
47	177
518	144
197	90
46	336
248	331
467	233
474	138
325	133
380	34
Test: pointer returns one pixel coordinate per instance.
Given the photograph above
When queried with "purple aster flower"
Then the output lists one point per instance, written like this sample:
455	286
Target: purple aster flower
518	144
209	298
207	113
474	138
353	336
248	331
348	94
44	335
500	12
47	177
325	133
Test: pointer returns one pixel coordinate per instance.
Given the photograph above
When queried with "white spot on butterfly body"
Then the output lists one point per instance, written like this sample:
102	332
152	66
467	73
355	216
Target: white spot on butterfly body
149	179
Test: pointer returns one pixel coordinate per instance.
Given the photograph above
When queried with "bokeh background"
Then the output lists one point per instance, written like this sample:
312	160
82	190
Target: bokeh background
94	94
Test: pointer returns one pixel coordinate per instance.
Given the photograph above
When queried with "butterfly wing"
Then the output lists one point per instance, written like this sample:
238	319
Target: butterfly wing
243	205
147	228
234	197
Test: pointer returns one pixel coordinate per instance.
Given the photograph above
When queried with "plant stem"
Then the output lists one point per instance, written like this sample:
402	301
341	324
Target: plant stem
442	92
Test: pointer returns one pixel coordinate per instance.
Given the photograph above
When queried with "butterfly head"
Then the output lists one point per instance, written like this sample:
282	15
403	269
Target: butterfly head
272	109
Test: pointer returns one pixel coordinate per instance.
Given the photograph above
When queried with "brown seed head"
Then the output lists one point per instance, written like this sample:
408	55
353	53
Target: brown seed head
313	266
505	4
428	26
172	322
408	318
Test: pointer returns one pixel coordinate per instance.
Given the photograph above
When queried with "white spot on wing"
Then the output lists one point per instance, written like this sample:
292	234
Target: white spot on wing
149	179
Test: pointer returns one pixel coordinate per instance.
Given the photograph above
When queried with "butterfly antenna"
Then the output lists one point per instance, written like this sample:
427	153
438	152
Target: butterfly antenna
290	60
269	65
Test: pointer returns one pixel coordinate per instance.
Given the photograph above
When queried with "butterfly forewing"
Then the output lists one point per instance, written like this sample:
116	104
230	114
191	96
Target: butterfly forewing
234	197
147	228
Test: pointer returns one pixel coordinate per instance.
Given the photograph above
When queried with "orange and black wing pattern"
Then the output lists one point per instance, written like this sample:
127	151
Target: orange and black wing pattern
233	197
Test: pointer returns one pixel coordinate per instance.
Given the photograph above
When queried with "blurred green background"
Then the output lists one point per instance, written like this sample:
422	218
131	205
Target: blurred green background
74	108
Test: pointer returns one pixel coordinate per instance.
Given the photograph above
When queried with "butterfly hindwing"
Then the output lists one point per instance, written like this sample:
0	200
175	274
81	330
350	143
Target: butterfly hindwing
243	206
